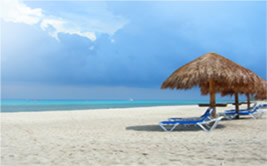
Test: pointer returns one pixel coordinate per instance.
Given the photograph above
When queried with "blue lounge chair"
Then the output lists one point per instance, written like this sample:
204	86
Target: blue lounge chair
256	112
263	105
241	110
190	118
205	123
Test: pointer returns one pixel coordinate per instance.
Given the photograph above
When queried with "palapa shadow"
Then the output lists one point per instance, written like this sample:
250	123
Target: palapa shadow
157	128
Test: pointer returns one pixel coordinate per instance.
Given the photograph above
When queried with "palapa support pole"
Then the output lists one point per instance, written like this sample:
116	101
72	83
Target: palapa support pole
236	105
212	97
248	97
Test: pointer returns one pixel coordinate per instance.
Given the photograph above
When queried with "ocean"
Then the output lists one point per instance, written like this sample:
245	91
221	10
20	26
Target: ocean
59	105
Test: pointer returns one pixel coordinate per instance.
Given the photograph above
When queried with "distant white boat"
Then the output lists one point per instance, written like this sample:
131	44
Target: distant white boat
131	99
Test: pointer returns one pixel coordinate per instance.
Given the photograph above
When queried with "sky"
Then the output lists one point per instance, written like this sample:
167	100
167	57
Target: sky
115	50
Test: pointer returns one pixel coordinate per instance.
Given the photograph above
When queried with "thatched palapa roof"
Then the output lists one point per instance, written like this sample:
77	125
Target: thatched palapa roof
212	66
261	93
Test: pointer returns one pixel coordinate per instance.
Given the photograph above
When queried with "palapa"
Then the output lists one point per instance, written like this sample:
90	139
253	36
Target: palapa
232	92
261	93
212	73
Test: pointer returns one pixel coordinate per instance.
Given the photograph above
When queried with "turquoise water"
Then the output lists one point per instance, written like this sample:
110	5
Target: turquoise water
57	105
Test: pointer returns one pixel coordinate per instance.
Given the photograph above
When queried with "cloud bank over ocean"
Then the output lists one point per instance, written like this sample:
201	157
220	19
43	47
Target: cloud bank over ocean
134	45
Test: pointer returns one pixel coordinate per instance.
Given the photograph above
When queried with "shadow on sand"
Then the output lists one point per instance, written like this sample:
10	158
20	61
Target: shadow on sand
240	118
157	128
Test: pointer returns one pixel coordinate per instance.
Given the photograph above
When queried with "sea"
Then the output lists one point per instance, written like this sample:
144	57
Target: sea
59	105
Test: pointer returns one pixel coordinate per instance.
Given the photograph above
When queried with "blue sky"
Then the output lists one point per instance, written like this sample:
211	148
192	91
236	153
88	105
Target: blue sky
121	50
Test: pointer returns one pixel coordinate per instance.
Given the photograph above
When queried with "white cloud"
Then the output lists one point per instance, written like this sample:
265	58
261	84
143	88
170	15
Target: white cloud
16	11
61	26
95	19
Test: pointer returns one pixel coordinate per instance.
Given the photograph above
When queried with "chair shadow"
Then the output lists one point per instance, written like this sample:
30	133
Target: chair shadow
157	128
240	118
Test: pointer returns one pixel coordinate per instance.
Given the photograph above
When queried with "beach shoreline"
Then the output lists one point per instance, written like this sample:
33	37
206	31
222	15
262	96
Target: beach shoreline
70	105
129	136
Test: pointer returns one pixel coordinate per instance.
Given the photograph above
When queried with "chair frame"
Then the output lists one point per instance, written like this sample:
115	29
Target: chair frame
206	123
254	112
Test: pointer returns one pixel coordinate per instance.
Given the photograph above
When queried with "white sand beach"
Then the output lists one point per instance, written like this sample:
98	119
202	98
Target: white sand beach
129	136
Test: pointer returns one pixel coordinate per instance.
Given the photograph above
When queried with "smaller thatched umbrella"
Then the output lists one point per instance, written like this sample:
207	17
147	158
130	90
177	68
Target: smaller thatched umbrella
212	73
232	92
261	91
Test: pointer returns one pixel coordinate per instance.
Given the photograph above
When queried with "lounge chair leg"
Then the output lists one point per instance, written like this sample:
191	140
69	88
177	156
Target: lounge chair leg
216	123
253	116
262	112
200	125
174	127
213	122
165	128
161	125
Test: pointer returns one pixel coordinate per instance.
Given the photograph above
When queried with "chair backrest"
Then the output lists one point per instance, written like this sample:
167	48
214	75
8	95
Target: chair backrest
207	115
250	108
207	111
255	109
211	111
253	106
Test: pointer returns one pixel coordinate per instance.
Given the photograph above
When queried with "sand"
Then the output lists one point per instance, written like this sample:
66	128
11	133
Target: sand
128	137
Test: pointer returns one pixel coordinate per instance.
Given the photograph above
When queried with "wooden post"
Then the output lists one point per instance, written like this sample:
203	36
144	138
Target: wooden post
248	97
212	96
236	105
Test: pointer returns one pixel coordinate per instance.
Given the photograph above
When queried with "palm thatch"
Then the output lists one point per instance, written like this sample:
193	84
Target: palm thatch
212	66
261	91
213	73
